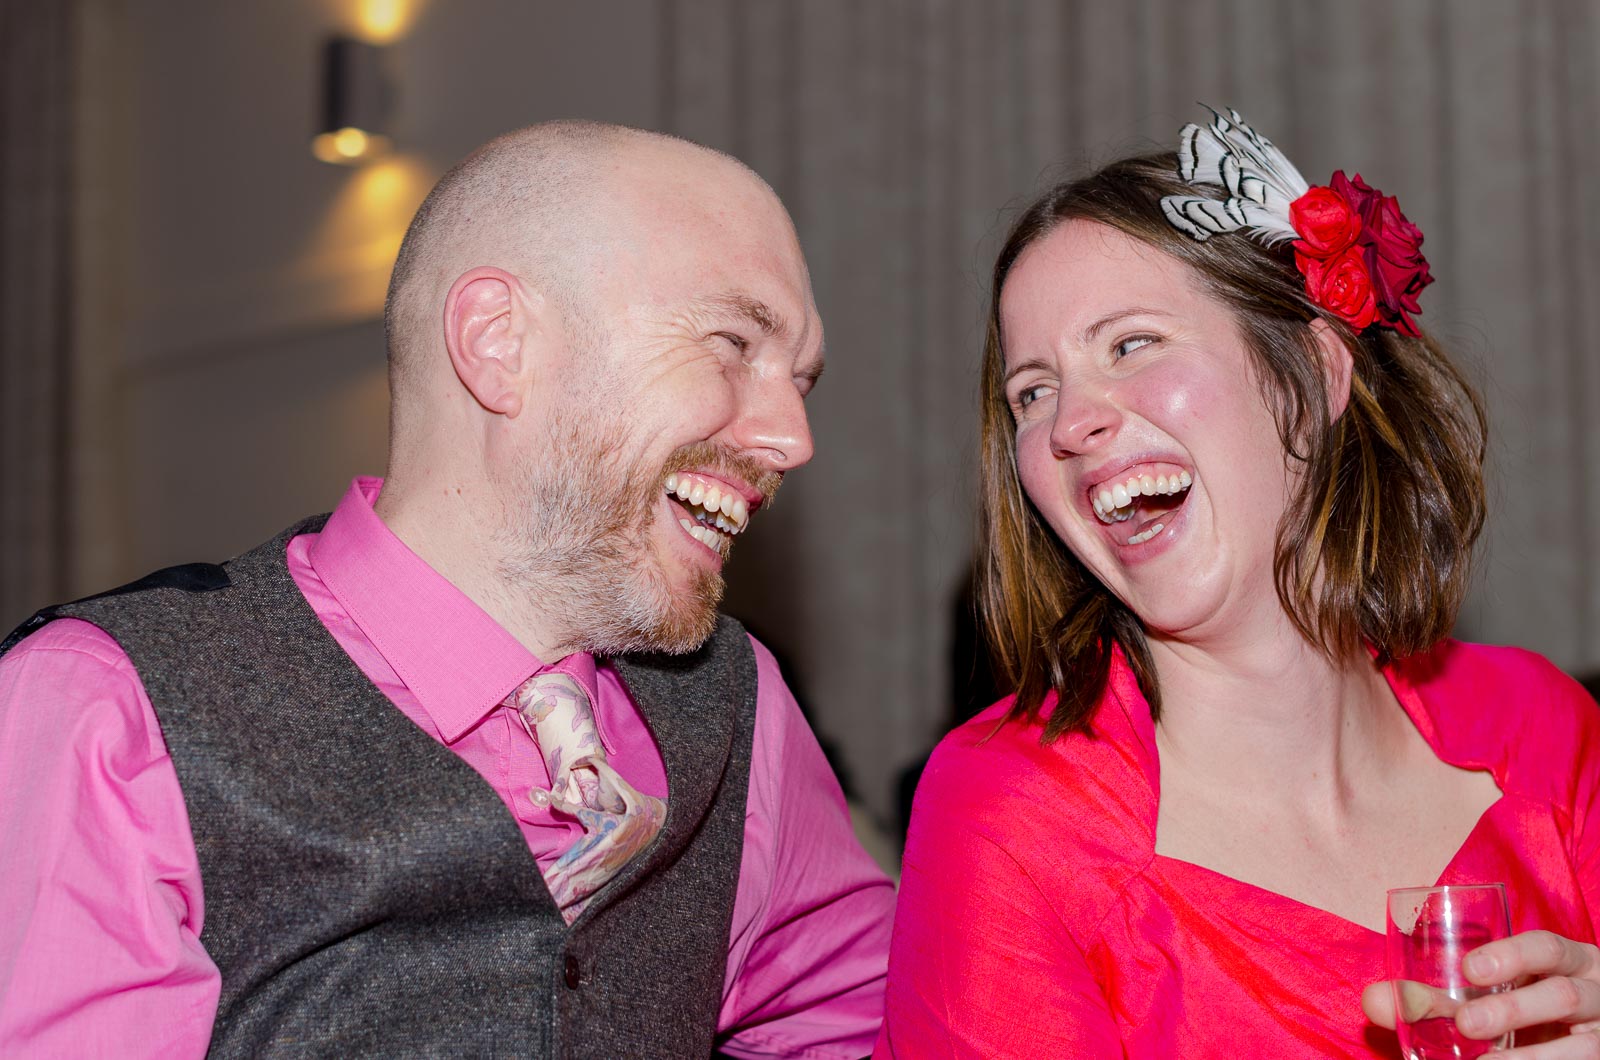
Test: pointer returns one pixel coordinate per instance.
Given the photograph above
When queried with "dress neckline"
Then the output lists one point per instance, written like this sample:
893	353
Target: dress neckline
1415	709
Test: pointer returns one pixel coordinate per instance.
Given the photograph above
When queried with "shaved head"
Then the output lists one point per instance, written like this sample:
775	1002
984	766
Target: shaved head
580	314
545	202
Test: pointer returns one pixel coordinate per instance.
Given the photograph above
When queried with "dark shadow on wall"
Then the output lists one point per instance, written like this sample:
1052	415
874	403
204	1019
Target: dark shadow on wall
974	685
1591	684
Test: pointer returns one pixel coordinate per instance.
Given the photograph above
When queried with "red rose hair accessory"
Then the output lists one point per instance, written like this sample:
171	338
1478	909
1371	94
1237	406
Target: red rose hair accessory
1362	259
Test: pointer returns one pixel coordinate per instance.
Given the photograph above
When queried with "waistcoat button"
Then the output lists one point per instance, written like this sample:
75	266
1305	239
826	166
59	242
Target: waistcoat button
572	972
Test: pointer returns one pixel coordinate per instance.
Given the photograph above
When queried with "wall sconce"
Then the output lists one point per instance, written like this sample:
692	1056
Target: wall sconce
355	103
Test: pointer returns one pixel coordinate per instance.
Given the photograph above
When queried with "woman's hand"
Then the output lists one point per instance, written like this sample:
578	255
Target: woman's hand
1565	990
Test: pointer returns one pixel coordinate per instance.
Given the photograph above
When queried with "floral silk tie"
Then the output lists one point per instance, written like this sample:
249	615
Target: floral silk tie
617	820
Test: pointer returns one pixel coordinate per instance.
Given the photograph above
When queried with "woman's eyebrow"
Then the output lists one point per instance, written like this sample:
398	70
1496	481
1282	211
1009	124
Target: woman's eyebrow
1018	369
1106	321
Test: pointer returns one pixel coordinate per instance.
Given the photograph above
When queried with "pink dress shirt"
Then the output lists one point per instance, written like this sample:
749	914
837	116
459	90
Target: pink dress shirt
103	905
1036	918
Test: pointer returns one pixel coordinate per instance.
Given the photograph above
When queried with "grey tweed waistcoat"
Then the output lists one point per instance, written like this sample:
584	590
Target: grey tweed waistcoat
366	891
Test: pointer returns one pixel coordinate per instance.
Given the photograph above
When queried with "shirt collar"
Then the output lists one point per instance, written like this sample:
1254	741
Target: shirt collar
458	662
1122	686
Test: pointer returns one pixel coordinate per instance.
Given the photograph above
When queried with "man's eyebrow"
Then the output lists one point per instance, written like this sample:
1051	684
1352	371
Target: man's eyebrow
811	372
754	310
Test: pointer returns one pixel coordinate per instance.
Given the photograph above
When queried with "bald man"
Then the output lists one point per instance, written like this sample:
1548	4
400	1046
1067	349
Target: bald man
471	766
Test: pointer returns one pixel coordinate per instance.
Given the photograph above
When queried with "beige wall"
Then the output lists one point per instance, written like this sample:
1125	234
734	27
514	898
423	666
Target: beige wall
239	313
231	337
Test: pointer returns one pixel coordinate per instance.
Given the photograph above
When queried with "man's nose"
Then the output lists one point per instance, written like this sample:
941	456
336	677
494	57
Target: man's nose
771	424
1085	421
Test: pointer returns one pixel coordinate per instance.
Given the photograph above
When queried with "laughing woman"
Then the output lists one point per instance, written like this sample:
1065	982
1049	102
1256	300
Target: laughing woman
1231	492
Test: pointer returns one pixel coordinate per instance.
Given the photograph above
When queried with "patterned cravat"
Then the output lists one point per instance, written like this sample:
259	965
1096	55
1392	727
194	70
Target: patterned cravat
618	821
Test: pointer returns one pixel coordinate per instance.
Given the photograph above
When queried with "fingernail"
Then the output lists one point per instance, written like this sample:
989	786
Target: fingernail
1471	1018
1481	965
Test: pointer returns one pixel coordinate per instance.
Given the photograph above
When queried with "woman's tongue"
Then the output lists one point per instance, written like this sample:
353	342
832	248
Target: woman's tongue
1146	516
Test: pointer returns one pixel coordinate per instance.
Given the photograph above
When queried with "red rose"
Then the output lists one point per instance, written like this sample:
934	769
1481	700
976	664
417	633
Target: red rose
1325	221
1396	288
1390	247
1395	263
1341	285
1362	199
1396	238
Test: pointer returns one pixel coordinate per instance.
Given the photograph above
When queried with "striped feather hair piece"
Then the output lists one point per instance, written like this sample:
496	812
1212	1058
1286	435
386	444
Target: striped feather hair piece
1259	180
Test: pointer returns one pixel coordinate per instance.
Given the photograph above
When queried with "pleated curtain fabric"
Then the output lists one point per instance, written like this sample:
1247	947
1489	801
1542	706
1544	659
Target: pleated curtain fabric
36	136
903	134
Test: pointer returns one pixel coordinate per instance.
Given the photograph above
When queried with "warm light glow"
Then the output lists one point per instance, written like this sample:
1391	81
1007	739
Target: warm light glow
358	237
350	143
382	21
386	189
348	146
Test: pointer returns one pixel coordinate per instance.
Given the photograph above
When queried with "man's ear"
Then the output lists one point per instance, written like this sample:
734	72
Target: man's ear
486	331
1337	364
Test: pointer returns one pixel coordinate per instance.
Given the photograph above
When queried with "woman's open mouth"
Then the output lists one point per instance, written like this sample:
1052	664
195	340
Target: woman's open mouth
1144	497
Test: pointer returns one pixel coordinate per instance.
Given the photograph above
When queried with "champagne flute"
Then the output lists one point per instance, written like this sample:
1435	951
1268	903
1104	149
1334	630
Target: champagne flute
1429	931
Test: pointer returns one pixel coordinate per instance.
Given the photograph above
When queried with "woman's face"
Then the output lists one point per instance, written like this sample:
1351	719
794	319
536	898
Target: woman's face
1142	435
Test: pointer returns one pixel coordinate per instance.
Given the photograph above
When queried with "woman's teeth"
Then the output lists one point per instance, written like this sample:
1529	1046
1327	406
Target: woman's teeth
1114	504
1144	535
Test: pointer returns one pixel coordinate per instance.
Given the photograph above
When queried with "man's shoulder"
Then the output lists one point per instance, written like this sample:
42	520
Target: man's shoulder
767	667
71	676
779	721
68	644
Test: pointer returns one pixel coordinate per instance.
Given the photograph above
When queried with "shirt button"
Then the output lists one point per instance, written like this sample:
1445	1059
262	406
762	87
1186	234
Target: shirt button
572	976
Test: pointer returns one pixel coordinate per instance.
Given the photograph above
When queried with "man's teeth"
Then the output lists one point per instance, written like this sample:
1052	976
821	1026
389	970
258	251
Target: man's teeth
1114	504
709	538
725	510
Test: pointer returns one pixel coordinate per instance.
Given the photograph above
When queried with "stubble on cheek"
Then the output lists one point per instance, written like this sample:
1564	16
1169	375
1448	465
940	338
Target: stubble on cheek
577	536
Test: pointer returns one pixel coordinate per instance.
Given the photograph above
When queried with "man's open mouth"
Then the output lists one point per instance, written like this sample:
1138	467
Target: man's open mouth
1145	496
714	512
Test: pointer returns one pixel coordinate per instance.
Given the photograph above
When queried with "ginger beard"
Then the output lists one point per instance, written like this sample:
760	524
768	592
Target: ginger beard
578	533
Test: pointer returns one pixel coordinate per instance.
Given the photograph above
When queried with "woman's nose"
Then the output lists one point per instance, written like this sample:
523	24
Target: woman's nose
1084	422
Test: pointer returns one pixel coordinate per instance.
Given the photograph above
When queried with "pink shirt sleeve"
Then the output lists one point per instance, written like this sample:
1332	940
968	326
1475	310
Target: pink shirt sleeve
982	966
99	943
812	918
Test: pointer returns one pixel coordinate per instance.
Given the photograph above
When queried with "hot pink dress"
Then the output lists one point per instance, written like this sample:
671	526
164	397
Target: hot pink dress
1036	919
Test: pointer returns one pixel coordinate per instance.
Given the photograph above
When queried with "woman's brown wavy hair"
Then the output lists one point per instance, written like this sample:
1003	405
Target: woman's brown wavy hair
1374	547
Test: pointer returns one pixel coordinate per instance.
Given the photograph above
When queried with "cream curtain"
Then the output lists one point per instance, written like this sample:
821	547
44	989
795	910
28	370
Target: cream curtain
36	137
901	132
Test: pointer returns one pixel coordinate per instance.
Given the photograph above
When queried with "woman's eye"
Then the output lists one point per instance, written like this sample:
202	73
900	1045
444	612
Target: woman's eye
1127	346
1028	395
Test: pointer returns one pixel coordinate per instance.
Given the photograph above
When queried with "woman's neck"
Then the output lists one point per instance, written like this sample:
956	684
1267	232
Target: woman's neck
1275	712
